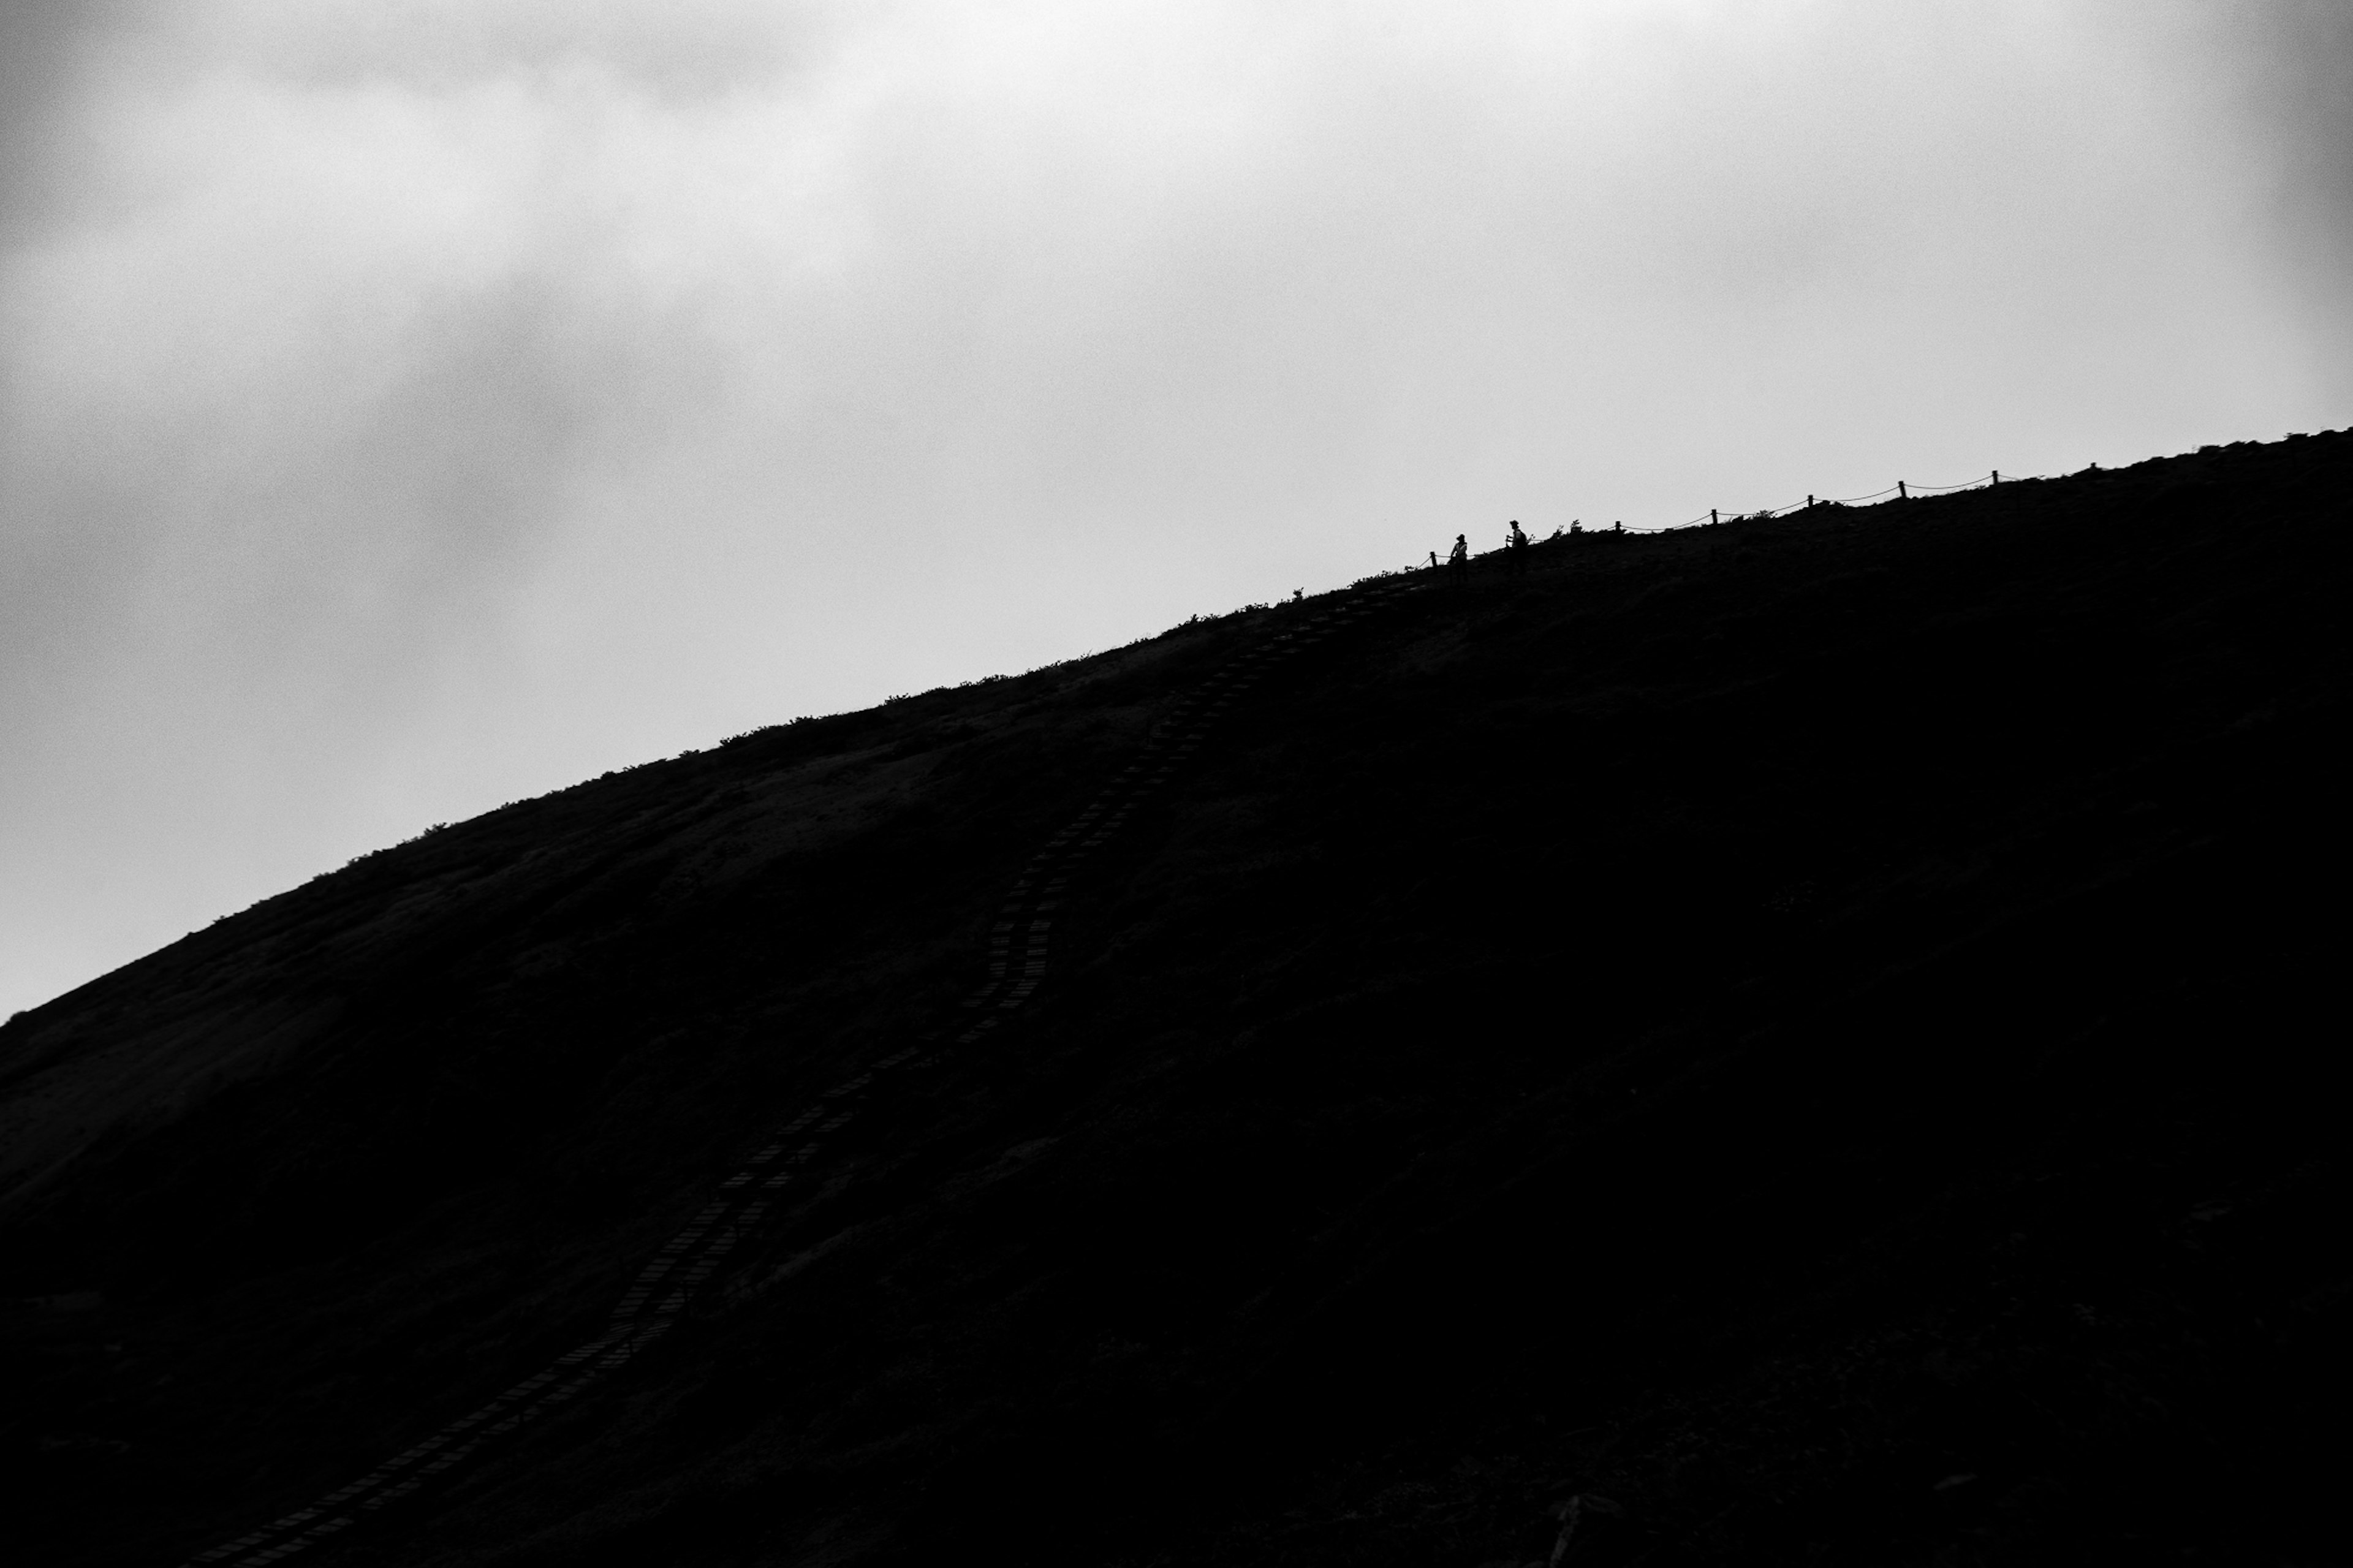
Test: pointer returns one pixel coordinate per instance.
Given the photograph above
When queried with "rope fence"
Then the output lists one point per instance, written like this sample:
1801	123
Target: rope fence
1902	489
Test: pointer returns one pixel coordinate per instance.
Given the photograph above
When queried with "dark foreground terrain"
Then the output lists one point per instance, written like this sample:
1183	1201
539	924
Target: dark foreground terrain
1802	1041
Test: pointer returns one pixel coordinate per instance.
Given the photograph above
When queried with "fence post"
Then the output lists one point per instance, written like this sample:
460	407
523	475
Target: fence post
1711	515
1901	493
1996	476
1810	503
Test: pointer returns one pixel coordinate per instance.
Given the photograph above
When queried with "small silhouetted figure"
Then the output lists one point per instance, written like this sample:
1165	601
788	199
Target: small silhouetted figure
1518	544
1618	527
1458	561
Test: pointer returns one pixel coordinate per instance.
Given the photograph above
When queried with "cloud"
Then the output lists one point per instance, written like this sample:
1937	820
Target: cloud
2294	67
42	47
404	408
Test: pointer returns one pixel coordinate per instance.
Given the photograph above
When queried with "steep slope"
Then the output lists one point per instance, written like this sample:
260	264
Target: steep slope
1754	1025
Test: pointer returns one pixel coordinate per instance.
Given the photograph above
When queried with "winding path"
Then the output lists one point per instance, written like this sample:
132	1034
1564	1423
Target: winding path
677	1274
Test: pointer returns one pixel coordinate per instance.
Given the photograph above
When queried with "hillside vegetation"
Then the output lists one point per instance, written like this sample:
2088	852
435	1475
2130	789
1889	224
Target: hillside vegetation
1802	1040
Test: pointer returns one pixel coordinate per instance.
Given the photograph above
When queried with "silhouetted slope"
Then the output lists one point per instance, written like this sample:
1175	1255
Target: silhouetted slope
1753	1024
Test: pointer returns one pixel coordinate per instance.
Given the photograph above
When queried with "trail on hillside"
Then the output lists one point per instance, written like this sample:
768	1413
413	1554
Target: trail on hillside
677	1277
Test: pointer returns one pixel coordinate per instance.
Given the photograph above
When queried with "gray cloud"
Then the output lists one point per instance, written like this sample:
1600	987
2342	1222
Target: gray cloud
42	48
407	409
2296	59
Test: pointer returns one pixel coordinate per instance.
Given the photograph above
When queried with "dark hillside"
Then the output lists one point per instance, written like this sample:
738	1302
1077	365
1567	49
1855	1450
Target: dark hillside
1808	1037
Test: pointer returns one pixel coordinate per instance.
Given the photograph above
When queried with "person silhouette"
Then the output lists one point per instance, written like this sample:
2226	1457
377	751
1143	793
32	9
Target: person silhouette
1458	561
1518	543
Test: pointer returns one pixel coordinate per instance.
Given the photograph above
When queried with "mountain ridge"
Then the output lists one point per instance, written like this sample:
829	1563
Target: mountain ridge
1696	817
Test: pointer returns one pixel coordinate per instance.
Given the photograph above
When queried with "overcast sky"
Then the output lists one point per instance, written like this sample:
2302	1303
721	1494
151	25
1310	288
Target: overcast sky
404	408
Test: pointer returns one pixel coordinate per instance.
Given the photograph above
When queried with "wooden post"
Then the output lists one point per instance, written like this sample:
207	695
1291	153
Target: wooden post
1901	493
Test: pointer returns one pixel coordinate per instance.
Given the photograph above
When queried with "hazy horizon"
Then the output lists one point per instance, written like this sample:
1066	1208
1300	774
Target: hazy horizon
401	414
